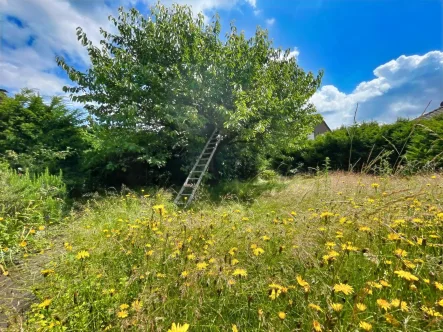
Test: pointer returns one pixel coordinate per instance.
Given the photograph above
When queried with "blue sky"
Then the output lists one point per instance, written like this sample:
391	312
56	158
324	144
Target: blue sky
386	55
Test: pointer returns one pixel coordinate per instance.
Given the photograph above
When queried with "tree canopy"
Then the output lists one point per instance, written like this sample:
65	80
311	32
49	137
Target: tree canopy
170	77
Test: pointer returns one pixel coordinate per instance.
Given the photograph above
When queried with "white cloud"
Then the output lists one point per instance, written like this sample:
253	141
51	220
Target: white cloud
270	22
52	25
401	88
253	3
294	53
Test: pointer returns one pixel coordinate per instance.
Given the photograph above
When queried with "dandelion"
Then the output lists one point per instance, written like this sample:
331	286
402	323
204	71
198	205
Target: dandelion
160	209
401	253
178	328
375	185
281	315
184	274
438	285
240	273
316	326
407	275
383	304
202	266
41	228
343	288
45	303
234	328
391	320
303	283
393	237
124	306
258	251
337	307
315	307
361	307
46	272
137	305
23	244
365	326
385	283
82	255
430	312
440	303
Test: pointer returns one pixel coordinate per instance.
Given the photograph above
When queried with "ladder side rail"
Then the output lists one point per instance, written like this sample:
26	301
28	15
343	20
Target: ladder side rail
202	174
177	198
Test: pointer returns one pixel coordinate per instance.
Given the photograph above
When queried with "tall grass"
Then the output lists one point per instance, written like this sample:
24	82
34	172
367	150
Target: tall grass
353	253
27	205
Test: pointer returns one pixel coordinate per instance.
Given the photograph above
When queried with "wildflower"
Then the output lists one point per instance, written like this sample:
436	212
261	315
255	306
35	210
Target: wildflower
45	303
303	283
330	245
124	306
438	285
375	185
265	238
383	304
234	328
361	307
231	282
178	328
23	244
316	326
281	315
431	312
258	251
232	251
274	294
160	209
240	273
385	283
315	307
184	274
440	303
293	213
407	275
337	307
391	320
202	266
365	229
344	288
136	305
326	214
190	257
348	247
260	312
46	272
41	228
401	253
365	326
82	255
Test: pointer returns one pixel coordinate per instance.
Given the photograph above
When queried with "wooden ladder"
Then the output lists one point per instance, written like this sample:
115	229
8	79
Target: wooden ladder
187	192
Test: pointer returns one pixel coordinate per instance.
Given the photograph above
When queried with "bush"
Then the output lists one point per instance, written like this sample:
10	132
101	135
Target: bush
27	204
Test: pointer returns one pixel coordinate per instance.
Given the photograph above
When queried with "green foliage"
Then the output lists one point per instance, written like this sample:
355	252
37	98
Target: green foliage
35	135
404	146
159	84
26	202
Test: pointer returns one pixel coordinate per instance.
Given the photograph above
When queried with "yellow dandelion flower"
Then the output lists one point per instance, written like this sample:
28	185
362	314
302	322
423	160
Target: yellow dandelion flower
343	288
395	303
303	283
202	266
137	305
391	320
401	253
337	307
438	285
178	328
258	251
82	255
316	326
385	283
240	273
440	303
160	209
234	328
315	307
365	326
383	304
41	228
361	307
124	306
45	303
23	244
375	185
281	315
431	312
406	275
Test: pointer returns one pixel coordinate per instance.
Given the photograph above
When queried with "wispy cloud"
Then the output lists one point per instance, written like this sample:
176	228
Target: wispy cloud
270	22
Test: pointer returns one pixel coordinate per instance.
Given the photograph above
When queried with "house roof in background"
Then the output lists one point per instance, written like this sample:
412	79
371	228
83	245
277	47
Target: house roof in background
438	111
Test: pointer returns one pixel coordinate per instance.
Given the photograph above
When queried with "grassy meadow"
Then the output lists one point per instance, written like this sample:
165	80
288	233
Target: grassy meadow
336	252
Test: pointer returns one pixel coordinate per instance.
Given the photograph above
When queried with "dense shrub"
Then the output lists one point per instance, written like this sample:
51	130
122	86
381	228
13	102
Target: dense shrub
373	147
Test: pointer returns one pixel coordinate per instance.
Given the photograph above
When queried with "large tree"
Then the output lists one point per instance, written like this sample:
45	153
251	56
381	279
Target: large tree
158	84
